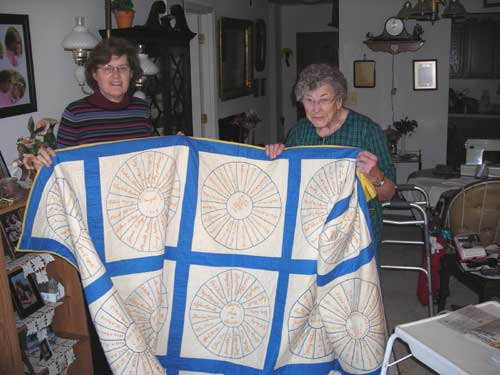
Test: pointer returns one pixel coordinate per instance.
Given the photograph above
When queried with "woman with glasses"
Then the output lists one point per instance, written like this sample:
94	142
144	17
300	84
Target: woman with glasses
322	89
111	113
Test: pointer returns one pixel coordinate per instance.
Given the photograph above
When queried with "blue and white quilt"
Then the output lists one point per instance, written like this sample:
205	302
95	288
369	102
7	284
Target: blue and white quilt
205	257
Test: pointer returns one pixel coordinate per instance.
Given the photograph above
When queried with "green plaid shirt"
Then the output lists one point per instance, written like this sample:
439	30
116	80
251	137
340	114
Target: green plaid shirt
357	131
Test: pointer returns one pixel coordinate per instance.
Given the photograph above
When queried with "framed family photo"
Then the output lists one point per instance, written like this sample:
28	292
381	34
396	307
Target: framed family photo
10	231
424	74
17	81
27	298
364	73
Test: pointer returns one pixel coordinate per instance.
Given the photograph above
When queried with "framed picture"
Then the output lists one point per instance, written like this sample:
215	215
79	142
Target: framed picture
424	74
491	3
10	230
17	81
4	170
27	298
364	73
45	350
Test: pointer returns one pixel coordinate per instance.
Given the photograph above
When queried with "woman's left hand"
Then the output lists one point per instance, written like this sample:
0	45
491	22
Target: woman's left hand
367	163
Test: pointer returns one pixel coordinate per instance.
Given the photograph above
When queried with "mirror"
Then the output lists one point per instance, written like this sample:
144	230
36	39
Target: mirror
235	58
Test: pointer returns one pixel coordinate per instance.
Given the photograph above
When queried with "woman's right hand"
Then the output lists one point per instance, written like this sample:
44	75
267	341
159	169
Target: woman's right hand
274	150
44	158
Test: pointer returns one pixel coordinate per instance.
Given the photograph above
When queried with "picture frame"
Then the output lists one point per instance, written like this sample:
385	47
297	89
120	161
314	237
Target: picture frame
364	73
235	58
10	231
490	4
425	75
4	170
17	79
45	350
27	298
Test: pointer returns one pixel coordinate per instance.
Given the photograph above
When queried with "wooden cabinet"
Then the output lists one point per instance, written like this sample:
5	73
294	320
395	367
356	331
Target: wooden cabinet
475	47
170	89
69	320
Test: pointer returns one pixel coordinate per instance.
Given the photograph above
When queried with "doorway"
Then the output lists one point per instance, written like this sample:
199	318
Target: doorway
316	47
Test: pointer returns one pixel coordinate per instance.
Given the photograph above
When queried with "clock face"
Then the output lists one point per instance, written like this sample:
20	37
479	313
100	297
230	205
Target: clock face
394	26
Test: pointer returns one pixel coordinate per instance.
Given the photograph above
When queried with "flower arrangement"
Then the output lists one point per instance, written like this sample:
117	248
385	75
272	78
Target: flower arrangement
405	126
248	120
41	135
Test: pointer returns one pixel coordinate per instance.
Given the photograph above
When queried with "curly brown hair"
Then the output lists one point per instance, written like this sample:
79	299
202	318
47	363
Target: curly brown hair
102	53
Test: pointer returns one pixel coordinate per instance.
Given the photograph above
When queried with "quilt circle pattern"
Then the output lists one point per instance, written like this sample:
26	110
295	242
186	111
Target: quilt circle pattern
148	307
240	205
143	198
354	321
306	331
321	193
230	314
64	216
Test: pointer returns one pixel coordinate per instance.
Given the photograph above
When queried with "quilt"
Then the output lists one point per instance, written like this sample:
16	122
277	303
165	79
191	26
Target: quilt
205	257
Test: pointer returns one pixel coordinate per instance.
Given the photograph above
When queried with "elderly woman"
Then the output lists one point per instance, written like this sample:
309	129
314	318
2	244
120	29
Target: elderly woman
322	89
111	113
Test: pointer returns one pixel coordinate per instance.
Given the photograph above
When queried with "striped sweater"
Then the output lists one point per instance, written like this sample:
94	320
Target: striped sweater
96	119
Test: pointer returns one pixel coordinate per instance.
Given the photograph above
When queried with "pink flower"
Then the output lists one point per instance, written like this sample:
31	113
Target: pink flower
28	160
44	125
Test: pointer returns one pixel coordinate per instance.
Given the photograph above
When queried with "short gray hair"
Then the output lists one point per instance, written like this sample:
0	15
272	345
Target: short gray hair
315	75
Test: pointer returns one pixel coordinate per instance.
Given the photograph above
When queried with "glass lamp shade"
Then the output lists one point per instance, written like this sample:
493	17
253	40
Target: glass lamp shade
454	9
79	37
148	67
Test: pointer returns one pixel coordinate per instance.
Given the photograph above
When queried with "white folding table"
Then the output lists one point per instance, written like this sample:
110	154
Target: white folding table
445	350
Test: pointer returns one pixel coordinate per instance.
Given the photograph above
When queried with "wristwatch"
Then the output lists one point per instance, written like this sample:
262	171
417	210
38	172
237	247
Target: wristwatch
380	183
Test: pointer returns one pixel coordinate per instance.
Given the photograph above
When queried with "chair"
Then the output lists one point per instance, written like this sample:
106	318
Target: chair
476	209
473	209
420	210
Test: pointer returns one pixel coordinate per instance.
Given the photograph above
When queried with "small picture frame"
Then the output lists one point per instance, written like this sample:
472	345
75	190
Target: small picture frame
364	73
10	231
45	351
27	298
425	75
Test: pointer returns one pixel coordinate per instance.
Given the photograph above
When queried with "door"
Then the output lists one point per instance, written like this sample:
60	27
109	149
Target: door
317	47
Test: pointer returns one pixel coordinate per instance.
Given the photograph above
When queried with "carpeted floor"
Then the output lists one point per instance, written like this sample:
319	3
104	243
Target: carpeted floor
399	289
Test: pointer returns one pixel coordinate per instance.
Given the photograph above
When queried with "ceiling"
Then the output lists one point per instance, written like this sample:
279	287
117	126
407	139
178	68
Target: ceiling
300	2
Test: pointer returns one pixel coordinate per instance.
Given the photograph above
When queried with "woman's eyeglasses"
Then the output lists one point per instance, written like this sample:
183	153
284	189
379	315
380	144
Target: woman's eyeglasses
323	102
109	69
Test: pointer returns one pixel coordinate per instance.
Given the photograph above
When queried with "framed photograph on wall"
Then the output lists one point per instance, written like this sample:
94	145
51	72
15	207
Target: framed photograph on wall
27	298
364	73
424	74
491	3
17	80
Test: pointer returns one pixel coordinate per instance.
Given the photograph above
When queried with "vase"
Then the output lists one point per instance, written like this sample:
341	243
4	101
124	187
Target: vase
124	18
402	145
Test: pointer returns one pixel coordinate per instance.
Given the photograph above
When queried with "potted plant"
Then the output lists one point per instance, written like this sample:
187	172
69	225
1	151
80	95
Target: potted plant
124	12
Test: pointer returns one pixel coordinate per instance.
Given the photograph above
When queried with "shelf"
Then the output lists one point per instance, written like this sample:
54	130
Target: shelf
394	46
475	115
